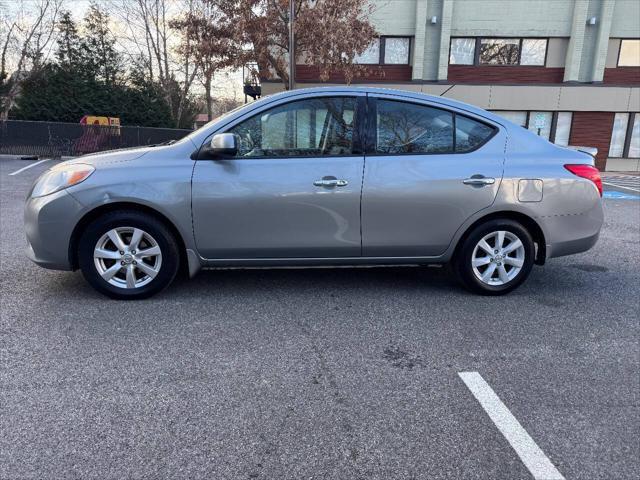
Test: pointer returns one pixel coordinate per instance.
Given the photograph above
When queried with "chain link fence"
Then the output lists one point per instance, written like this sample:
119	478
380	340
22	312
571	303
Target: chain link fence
57	139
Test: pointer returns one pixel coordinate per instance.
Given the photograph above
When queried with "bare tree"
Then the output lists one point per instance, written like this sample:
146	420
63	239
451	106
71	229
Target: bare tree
27	39
168	57
329	34
207	36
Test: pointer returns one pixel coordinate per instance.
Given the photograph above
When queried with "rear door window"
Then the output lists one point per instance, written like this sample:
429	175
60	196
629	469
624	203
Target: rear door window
410	128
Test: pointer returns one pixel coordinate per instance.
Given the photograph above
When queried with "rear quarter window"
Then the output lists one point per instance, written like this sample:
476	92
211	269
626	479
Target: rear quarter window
471	134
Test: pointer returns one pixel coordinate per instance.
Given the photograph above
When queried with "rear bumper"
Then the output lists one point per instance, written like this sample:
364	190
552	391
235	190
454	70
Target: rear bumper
574	233
49	222
570	247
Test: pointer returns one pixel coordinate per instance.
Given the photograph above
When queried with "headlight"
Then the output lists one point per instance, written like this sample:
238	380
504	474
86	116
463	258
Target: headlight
61	176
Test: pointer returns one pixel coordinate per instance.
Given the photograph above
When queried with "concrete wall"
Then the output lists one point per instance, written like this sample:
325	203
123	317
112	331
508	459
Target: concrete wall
569	98
537	18
557	52
545	18
581	48
394	17
626	19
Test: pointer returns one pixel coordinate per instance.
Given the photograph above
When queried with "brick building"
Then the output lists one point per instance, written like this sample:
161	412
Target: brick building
567	69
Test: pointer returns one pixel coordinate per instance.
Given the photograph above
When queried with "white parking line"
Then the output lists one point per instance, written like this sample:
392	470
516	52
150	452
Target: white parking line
29	166
621	186
534	459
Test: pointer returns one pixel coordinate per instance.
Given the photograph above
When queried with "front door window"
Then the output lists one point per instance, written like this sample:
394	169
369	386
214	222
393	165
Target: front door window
317	127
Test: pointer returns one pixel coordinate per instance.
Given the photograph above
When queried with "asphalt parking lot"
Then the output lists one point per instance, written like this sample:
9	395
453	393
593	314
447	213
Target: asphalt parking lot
321	374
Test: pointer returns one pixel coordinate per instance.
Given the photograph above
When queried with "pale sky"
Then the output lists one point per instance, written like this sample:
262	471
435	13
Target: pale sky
226	84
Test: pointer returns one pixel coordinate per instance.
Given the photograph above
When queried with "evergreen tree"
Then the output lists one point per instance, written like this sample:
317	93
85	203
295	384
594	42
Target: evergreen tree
69	44
87	78
100	56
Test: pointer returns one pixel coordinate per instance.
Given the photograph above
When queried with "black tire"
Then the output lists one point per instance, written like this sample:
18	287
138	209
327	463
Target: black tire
129	218
462	262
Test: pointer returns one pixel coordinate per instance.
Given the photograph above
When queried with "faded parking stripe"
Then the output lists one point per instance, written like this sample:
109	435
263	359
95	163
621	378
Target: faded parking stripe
531	455
29	166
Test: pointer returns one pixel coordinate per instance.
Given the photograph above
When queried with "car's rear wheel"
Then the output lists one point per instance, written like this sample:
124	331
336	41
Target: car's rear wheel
128	255
496	257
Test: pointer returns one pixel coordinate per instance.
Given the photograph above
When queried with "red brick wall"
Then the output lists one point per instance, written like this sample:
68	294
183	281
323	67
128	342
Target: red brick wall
622	75
380	73
593	129
504	74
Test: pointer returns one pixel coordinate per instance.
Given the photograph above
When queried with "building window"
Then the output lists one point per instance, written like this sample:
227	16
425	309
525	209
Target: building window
533	51
519	118
540	123
386	51
396	50
629	55
563	128
498	51
462	51
553	126
625	136
634	141
371	55
618	134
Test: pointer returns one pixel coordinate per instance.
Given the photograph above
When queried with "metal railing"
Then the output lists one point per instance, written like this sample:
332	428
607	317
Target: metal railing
57	139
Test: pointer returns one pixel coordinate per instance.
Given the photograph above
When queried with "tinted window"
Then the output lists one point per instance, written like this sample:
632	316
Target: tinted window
470	134
409	128
306	128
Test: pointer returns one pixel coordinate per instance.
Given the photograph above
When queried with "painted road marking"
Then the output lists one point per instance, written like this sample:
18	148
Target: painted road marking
620	195
617	185
534	459
29	166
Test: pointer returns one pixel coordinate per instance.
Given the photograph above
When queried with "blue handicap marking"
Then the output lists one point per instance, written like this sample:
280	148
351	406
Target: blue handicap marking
620	196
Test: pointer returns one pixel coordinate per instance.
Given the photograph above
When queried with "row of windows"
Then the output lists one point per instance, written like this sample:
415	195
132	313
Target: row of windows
625	136
386	51
553	126
522	51
629	54
556	127
325	127
498	51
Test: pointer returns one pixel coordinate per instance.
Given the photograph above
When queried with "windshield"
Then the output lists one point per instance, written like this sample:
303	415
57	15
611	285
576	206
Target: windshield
217	119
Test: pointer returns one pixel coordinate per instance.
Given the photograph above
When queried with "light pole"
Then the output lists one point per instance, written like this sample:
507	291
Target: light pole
292	45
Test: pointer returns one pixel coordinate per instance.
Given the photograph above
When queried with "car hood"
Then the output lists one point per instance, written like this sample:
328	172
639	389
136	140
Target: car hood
108	158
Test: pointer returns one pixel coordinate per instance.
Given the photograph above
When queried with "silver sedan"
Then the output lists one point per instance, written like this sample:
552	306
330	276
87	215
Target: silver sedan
321	177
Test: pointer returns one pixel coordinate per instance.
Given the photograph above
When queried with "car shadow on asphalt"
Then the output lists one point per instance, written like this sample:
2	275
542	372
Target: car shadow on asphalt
381	281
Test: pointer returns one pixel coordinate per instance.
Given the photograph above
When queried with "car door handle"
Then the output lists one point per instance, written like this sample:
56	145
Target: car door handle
479	181
330	182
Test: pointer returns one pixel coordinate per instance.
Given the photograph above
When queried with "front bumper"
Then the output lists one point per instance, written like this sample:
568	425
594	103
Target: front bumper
49	222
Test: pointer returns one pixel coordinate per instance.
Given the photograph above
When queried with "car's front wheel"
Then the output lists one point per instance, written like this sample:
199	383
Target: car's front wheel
128	255
496	257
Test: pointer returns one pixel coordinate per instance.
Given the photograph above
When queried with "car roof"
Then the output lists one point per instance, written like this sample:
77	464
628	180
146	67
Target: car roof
444	101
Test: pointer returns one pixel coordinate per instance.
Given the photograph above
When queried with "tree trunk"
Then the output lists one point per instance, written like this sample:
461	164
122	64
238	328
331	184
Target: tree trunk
207	92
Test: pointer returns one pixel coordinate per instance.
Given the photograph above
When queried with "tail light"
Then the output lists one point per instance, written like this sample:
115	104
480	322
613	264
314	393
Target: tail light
587	171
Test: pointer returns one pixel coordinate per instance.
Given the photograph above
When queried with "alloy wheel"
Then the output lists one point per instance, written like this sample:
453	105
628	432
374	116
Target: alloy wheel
127	257
498	258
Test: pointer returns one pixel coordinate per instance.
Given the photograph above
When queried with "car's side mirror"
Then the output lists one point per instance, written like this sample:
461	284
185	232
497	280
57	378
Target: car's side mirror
223	145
